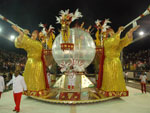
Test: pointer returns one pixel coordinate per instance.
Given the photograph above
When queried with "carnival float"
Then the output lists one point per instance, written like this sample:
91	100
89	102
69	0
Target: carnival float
73	50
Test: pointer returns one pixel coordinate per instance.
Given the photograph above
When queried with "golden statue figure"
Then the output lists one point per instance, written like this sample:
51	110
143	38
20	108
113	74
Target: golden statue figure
113	83
65	31
65	20
51	36
98	33
33	73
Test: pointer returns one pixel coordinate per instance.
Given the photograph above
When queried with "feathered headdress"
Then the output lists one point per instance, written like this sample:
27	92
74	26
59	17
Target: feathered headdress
66	16
77	15
51	29
98	22
105	25
44	30
41	25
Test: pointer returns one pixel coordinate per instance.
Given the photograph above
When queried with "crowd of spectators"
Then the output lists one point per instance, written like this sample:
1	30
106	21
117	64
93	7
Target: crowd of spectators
138	61
9	61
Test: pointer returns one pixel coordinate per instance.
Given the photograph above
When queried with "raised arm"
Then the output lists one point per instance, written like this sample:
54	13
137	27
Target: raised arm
19	43
10	82
25	42
120	30
20	37
128	38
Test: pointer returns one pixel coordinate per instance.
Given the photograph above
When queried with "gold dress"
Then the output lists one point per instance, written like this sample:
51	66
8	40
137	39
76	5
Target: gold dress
33	73
113	83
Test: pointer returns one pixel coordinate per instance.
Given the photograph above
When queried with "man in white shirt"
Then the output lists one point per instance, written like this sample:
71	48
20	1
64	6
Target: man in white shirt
18	87
2	85
143	78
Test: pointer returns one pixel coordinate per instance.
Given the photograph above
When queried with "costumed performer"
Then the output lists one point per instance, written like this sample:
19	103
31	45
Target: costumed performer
37	84
113	83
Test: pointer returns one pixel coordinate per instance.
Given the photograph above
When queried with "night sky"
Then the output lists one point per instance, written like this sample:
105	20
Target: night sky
29	13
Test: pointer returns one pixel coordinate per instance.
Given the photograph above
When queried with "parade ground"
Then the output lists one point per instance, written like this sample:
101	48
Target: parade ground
136	102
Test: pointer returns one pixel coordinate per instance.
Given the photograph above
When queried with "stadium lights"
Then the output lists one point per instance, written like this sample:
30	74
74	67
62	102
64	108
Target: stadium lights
141	33
12	37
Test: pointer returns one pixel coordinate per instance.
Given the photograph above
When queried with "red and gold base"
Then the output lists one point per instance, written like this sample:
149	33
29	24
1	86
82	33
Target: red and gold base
114	93
69	96
47	51
67	46
37	93
99	49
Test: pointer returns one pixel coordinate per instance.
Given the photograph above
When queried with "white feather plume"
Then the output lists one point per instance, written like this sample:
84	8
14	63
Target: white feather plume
66	12
76	15
62	13
58	19
44	31
41	25
51	27
105	26
97	22
106	21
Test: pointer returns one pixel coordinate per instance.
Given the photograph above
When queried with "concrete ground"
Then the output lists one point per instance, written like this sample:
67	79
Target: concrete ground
135	103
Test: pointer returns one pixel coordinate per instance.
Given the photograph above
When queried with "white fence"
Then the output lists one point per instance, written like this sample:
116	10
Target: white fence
131	75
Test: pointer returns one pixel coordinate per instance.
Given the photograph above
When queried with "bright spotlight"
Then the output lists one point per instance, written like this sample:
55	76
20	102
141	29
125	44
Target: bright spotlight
12	37
141	33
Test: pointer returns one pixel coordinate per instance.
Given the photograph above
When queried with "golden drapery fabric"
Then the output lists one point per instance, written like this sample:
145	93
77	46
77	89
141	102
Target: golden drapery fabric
113	79
33	73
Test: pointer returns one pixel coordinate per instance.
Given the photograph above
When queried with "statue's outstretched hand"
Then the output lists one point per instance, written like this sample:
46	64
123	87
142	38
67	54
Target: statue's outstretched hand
121	28
26	31
17	29
130	32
